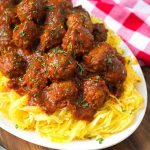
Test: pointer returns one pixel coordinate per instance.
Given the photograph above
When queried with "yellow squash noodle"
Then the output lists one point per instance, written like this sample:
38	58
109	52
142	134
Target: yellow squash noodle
116	114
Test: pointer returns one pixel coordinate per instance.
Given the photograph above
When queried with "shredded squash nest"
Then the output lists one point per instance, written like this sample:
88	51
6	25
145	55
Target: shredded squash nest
116	114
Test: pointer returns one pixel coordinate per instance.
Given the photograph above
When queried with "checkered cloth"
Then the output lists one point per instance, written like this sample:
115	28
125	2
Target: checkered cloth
128	18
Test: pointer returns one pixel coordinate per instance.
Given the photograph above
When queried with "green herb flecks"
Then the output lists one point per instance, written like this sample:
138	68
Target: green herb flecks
16	126
123	109
129	61
22	34
56	51
100	140
85	104
16	27
34	80
36	95
81	102
51	23
50	7
20	79
81	69
109	60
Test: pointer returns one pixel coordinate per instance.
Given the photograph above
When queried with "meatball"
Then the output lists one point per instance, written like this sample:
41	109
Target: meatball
65	5
97	58
30	10
95	91
79	17
5	35
93	96
60	65
100	33
105	61
25	34
56	96
12	64
78	41
54	30
115	75
36	76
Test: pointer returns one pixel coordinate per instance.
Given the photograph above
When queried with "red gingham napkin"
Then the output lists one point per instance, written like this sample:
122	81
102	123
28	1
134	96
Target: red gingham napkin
128	18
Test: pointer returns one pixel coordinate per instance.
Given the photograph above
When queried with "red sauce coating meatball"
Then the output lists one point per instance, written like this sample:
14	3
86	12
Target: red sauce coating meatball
115	75
79	17
97	58
95	91
65	5
99	32
56	96
60	65
94	95
36	76
54	30
30	10
106	61
78	41
25	34
12	64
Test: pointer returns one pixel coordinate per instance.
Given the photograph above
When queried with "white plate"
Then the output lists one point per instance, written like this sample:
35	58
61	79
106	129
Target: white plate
87	144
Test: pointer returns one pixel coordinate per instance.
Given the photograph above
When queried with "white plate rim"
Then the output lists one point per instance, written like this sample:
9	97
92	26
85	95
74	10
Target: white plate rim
35	138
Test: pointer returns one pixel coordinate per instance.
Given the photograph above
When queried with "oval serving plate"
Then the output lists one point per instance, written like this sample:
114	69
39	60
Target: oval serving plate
35	138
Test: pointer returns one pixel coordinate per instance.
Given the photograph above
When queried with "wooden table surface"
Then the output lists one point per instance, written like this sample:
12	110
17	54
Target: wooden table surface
139	140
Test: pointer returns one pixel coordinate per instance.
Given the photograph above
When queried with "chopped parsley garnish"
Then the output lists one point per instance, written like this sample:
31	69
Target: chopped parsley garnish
82	103
36	94
50	7
100	140
129	61
85	104
16	27
81	69
56	51
51	22
109	60
16	126
20	79
34	80
123	109
62	52
22	34
51	32
69	62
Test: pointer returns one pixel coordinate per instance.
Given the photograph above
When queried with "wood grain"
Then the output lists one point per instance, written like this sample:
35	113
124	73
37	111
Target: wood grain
139	140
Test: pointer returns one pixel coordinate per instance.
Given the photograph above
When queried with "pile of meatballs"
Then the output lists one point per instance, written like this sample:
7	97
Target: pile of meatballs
53	52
